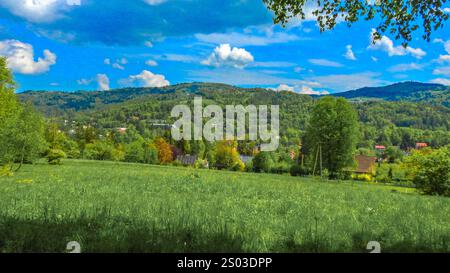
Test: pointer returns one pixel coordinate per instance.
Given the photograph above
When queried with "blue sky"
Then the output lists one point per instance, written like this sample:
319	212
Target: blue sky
69	45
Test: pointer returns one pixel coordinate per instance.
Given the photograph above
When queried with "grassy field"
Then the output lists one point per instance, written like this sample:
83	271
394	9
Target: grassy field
118	207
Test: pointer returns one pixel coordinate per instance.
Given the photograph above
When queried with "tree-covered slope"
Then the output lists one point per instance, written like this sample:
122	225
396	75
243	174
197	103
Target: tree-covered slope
405	91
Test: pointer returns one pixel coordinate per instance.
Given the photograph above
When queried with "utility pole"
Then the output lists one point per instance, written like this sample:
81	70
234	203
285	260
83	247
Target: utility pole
318	155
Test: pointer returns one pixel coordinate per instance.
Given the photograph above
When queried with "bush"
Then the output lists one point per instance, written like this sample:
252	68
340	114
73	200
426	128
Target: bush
431	170
280	168
362	177
99	150
201	164
134	152
298	170
54	156
262	162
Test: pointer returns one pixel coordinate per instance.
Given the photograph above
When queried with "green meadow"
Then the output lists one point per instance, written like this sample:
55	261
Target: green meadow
119	207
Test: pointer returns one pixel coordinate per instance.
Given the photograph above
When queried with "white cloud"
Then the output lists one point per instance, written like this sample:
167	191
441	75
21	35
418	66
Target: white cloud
177	58
325	62
441	81
306	90
298	69
345	82
20	57
148	44
84	81
272	64
442	71
151	63
39	11
349	55
146	79
375	59
224	55
155	2
284	87
103	82
405	67
387	45
444	59
118	64
240	39
301	89
244	77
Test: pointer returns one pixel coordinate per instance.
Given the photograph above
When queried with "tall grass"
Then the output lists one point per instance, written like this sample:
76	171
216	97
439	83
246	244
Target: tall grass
118	207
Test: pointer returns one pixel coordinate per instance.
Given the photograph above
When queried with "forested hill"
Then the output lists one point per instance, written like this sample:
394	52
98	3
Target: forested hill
405	91
382	121
82	100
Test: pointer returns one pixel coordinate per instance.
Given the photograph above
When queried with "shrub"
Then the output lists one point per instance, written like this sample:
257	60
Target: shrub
431	170
362	177
227	156
262	162
54	156
298	170
134	152
165	154
280	168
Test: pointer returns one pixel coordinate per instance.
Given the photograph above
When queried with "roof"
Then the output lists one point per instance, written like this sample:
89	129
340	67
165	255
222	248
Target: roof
380	147
365	163
187	159
421	144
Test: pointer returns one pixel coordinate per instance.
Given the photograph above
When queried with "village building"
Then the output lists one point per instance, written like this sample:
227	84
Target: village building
366	164
187	160
421	145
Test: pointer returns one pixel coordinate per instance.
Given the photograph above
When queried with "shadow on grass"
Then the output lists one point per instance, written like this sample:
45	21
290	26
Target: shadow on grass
121	235
115	235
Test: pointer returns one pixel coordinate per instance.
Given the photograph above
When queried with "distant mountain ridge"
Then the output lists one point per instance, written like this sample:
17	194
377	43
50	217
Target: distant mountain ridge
410	91
84	100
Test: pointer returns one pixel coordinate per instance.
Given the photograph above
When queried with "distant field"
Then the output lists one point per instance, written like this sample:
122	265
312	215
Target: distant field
118	207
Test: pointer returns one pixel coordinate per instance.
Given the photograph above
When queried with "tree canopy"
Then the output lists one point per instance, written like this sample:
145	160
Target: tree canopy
401	18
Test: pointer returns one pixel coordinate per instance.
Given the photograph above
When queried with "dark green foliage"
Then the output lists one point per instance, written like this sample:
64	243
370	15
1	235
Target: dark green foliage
263	162
399	18
332	133
54	156
431	170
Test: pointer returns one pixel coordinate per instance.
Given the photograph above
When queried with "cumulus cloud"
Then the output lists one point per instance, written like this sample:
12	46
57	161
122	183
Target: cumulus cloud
349	55
324	62
146	79
118	64
148	44
387	45
225	56
20	57
301	89
103	82
284	87
441	81
39	11
442	71
151	63
306	90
